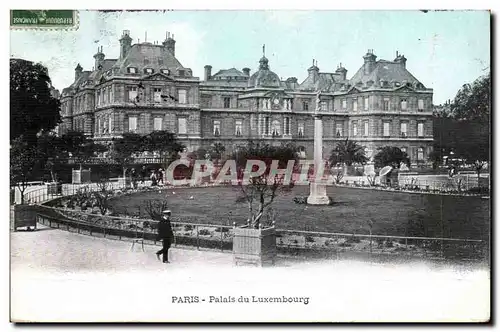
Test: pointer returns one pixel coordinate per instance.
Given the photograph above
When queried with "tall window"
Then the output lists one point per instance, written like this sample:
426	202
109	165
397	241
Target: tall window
339	129
365	128
305	105
300	129
158	123
132	93
227	102
110	123
387	129
132	123
216	128
366	103
404	104
323	106
182	97
275	128
238	127
404	129
98	99
182	126
157	95
354	129
132	70
420	104
267	125
403	149
386	104
420	129
344	104
420	154
286	126
354	105
206	100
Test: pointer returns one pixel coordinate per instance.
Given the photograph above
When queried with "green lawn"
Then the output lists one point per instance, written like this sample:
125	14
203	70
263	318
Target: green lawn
393	213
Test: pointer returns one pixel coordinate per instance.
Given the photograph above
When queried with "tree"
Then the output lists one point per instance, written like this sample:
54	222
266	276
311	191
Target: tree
217	150
32	108
471	109
163	142
348	152
26	163
390	156
260	191
124	147
78	146
52	154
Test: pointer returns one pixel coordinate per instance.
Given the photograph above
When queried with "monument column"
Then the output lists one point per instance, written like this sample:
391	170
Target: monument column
317	188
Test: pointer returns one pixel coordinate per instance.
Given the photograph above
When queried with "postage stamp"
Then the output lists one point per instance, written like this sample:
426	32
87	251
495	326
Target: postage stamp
44	19
250	166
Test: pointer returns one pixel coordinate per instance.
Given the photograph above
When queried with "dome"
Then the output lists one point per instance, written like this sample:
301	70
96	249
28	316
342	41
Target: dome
264	77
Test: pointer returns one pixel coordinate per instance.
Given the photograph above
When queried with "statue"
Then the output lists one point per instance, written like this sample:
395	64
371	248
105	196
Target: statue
318	101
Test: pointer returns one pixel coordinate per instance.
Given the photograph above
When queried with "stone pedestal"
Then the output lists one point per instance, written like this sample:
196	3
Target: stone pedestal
80	176
317	191
254	246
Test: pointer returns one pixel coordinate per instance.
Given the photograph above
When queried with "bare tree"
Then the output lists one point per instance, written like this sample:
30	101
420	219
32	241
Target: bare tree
155	208
102	196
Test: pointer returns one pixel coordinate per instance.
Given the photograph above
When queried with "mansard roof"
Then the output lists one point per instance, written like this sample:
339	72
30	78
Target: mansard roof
147	55
387	71
229	73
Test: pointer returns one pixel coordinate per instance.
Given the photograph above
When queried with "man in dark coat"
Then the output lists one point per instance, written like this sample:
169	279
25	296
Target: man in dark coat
165	234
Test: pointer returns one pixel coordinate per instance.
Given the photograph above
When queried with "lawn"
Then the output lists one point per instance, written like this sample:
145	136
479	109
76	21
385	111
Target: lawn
392	213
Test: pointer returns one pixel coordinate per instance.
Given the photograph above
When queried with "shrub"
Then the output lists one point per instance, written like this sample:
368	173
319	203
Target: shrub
389	244
353	239
309	238
204	231
222	229
188	228
300	200
479	190
328	243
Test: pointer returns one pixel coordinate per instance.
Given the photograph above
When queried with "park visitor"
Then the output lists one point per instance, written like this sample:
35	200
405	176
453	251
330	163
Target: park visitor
165	234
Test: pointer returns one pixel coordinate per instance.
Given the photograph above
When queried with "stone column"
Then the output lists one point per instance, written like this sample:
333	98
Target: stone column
317	189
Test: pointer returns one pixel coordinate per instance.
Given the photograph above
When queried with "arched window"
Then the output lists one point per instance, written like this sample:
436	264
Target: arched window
275	128
420	154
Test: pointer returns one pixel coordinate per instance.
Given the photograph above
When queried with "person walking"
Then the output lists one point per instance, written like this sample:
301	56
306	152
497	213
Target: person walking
165	234
144	174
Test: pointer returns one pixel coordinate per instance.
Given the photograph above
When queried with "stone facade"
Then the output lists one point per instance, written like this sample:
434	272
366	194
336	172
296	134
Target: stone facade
147	89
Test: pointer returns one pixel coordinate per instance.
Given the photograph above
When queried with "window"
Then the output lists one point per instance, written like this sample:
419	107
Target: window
387	129
146	61
323	106
216	128
165	71
365	128
182	127
420	154
148	70
182	96
404	129
354	105
206	100
160	61
158	123
157	95
366	103
238	127
132	93
132	123
181	72
305	105
286	126
266	125
339	129
403	149
98	99
420	129
109	95
300	129
99	125
420	104
386	104
354	129
275	128
132	70
227	102
344	104
404	104
110	123
105	123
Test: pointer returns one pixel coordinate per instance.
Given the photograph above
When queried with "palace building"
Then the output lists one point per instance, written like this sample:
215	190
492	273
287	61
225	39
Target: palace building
147	88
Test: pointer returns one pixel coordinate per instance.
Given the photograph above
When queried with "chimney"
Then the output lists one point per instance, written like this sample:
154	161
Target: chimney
314	71
78	72
99	59
400	58
246	71
125	43
169	43
370	59
208	72
342	72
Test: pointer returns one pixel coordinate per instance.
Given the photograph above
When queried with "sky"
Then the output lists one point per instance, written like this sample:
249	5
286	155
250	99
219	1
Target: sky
445	49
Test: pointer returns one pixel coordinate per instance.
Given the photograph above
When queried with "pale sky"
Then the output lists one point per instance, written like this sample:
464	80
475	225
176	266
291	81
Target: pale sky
444	49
